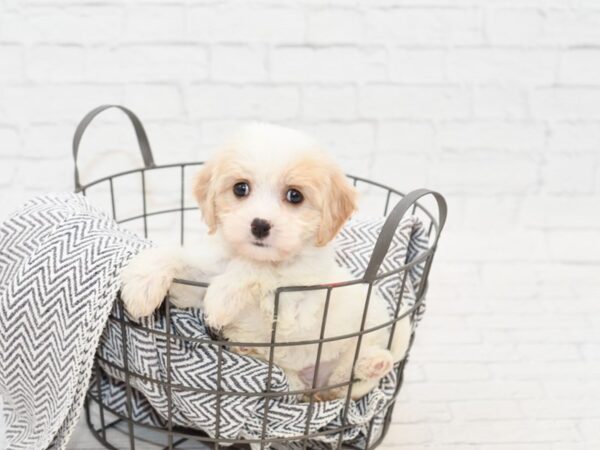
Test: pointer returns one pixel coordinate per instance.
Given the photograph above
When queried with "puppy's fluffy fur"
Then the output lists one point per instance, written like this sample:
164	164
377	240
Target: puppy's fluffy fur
272	168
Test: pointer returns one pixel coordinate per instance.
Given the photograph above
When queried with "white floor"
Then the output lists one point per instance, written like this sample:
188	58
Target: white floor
515	369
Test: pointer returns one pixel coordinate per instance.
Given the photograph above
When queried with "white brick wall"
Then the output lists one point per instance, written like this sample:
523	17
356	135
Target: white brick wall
494	103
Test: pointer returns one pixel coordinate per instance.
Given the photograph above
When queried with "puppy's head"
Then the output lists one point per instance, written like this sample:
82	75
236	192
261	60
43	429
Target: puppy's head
272	193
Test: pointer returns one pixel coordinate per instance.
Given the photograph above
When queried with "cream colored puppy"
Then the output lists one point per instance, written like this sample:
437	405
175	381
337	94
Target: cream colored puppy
273	202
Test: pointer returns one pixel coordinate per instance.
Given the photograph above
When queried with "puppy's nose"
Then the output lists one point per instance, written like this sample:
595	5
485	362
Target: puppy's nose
260	228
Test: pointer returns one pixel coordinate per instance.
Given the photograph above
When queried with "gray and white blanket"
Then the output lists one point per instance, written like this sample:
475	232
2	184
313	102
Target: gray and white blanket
60	261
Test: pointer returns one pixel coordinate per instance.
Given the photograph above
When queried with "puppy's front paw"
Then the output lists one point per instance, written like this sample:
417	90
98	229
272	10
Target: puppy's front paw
218	307
375	365
227	295
144	283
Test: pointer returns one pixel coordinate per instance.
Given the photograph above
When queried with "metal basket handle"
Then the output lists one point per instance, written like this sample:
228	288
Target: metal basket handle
391	223
140	133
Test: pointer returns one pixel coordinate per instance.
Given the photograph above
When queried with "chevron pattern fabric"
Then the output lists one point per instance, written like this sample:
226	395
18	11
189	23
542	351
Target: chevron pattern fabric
59	265
193	366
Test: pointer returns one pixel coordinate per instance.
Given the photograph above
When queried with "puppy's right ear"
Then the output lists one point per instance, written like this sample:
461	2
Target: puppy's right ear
204	192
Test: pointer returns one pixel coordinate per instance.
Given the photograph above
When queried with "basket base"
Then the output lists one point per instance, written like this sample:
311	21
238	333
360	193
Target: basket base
117	433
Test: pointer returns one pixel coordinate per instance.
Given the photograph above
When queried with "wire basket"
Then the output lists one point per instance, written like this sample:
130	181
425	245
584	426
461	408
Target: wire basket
115	430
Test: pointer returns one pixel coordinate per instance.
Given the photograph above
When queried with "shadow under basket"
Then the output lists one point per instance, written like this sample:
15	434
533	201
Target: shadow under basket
119	410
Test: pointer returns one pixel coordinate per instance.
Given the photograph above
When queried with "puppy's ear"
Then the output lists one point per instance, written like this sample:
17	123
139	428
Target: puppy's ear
204	191
339	202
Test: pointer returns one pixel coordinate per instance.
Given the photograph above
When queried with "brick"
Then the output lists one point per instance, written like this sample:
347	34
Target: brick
70	25
403	102
416	412
417	66
155	23
483	390
147	63
501	66
424	26
559	409
335	26
238	63
58	102
453	338
58	175
549	352
503	320
473	353
571	174
329	102
329	64
156	101
514	26
406	137
573	137
550	371
47	140
8	170
242	23
486	410
247	102
10	142
345	140
561	389
506	102
566	103
561	212
456	371
12	63
409	434
509	432
492	135
175	141
403	172
579	66
566	246
590	430
490	212
538	27
214	133
56	63
484	175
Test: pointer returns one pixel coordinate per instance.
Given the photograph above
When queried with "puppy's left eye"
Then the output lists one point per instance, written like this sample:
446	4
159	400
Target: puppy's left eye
294	196
241	189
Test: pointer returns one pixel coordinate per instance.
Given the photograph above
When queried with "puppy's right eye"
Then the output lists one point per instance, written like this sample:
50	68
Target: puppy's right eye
241	189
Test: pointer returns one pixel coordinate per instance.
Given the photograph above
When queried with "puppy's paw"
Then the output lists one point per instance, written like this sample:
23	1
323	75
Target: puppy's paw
246	351
219	308
145	283
330	394
375	365
228	294
218	318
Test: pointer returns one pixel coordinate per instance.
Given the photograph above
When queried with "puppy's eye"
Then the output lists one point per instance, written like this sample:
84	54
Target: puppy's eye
294	196
241	189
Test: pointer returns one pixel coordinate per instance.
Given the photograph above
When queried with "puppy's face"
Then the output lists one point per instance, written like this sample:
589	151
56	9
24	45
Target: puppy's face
271	193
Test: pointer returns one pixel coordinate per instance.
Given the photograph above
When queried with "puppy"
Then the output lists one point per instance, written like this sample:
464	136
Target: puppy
273	202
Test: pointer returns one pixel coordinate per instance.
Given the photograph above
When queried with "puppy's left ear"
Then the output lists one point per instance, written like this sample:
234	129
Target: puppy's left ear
205	195
339	202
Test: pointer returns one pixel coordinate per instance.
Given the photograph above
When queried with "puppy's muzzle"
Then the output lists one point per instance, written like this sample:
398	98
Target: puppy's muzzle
260	228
